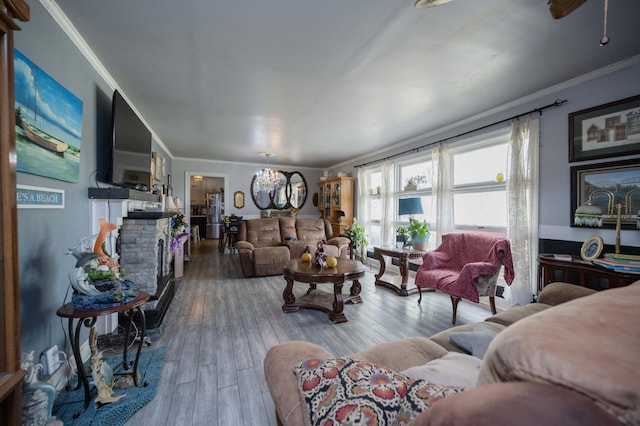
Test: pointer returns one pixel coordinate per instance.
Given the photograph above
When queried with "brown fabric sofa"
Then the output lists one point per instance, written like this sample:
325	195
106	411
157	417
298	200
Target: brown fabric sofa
265	245
570	359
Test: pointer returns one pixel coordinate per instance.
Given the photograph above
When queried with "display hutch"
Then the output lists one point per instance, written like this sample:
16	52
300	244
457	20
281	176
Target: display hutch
11	375
335	202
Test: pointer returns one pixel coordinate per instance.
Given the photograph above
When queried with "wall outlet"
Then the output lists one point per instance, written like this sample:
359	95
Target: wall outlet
50	360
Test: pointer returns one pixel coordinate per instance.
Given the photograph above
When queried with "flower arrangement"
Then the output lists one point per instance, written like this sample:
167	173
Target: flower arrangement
178	231
178	225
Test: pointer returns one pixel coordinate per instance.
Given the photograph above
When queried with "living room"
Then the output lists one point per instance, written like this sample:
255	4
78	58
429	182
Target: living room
45	235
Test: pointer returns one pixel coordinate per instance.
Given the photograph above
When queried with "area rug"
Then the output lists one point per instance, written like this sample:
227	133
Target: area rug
117	413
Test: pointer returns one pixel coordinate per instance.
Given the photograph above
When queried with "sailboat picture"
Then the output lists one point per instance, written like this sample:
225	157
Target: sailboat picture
48	123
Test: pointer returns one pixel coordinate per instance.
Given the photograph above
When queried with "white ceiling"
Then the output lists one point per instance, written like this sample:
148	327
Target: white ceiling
318	83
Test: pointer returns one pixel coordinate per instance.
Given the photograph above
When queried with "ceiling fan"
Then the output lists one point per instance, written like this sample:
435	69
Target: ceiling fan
558	8
561	8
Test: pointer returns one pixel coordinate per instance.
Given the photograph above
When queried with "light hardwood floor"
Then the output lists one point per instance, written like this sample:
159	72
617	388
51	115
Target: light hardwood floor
220	326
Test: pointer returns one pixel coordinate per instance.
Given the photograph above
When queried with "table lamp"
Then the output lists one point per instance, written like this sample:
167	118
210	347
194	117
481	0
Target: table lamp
409	206
590	214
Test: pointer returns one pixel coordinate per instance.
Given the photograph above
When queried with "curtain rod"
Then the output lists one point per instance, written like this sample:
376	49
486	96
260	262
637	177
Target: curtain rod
556	103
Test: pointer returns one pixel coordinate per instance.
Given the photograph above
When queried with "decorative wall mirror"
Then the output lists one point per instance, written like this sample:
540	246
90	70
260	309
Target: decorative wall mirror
289	191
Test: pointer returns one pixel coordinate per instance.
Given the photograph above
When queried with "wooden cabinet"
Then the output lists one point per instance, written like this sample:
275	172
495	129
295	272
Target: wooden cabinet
576	271
335	201
11	375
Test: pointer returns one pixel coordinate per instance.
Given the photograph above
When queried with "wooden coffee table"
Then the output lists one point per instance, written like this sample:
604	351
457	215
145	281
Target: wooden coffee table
312	274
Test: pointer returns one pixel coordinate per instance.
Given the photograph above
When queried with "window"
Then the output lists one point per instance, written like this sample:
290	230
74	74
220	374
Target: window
478	184
476	181
374	207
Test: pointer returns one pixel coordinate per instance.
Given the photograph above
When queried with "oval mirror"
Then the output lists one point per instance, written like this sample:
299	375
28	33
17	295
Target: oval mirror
280	191
289	191
297	190
261	198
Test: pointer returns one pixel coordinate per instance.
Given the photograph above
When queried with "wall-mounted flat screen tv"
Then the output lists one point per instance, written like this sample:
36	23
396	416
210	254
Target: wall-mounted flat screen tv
127	162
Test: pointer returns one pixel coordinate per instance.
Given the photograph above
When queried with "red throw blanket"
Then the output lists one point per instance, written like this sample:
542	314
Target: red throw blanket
461	258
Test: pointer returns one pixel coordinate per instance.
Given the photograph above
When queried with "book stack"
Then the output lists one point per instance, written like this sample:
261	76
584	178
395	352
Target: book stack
620	262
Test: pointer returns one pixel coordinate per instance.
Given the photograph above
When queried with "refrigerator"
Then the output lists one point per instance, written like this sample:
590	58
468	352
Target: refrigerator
215	215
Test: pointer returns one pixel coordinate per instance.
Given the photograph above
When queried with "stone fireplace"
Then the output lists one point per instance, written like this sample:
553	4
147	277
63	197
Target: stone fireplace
145	258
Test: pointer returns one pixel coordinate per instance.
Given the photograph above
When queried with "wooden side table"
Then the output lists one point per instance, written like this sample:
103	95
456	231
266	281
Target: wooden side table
88	317
580	272
400	284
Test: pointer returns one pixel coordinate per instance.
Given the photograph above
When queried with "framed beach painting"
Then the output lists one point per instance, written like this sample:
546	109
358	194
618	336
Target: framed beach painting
48	124
608	130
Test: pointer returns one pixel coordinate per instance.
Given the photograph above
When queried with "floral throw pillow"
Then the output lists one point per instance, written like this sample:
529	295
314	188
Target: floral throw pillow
341	391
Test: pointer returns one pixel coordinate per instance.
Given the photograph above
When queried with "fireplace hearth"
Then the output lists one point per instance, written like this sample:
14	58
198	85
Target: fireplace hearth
145	258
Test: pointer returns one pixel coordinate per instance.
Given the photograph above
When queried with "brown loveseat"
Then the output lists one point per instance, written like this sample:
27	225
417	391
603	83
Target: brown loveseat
265	245
570	359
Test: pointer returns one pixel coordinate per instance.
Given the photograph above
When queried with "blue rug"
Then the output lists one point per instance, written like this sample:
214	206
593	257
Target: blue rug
117	413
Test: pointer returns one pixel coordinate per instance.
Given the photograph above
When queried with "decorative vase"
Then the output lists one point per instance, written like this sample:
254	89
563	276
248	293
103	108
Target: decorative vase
420	243
401	241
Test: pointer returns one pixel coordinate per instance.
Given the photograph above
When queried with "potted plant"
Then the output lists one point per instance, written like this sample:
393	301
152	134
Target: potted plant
356	233
402	236
413	181
419	231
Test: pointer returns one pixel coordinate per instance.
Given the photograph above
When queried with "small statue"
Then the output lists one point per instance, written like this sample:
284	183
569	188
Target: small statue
321	255
38	397
101	372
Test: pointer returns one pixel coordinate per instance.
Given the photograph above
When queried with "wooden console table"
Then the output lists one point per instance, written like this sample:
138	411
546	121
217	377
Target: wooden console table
580	272
88	317
400	283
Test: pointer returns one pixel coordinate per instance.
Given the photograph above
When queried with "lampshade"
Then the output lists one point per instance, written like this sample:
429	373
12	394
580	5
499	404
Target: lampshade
409	206
170	205
588	214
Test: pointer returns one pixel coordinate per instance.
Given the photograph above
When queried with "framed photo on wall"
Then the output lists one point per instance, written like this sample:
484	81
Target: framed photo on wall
606	185
157	166
238	199
607	130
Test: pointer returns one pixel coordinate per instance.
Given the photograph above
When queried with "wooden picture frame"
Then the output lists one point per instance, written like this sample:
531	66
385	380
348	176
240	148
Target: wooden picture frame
157	166
607	130
621	179
238	199
591	248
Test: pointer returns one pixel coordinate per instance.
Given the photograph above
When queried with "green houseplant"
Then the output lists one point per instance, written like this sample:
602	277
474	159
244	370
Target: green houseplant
359	243
402	236
419	231
413	181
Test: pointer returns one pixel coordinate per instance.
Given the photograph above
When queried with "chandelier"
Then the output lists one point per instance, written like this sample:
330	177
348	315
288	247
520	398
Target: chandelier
266	179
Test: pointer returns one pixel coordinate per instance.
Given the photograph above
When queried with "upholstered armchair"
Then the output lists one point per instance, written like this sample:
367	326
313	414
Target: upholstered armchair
466	266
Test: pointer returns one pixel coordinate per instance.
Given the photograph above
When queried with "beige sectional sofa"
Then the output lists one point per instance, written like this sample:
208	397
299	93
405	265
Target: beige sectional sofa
266	244
570	359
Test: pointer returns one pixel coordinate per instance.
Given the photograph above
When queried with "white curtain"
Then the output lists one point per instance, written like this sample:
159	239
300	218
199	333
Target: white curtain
442	191
522	208
362	214
387	230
